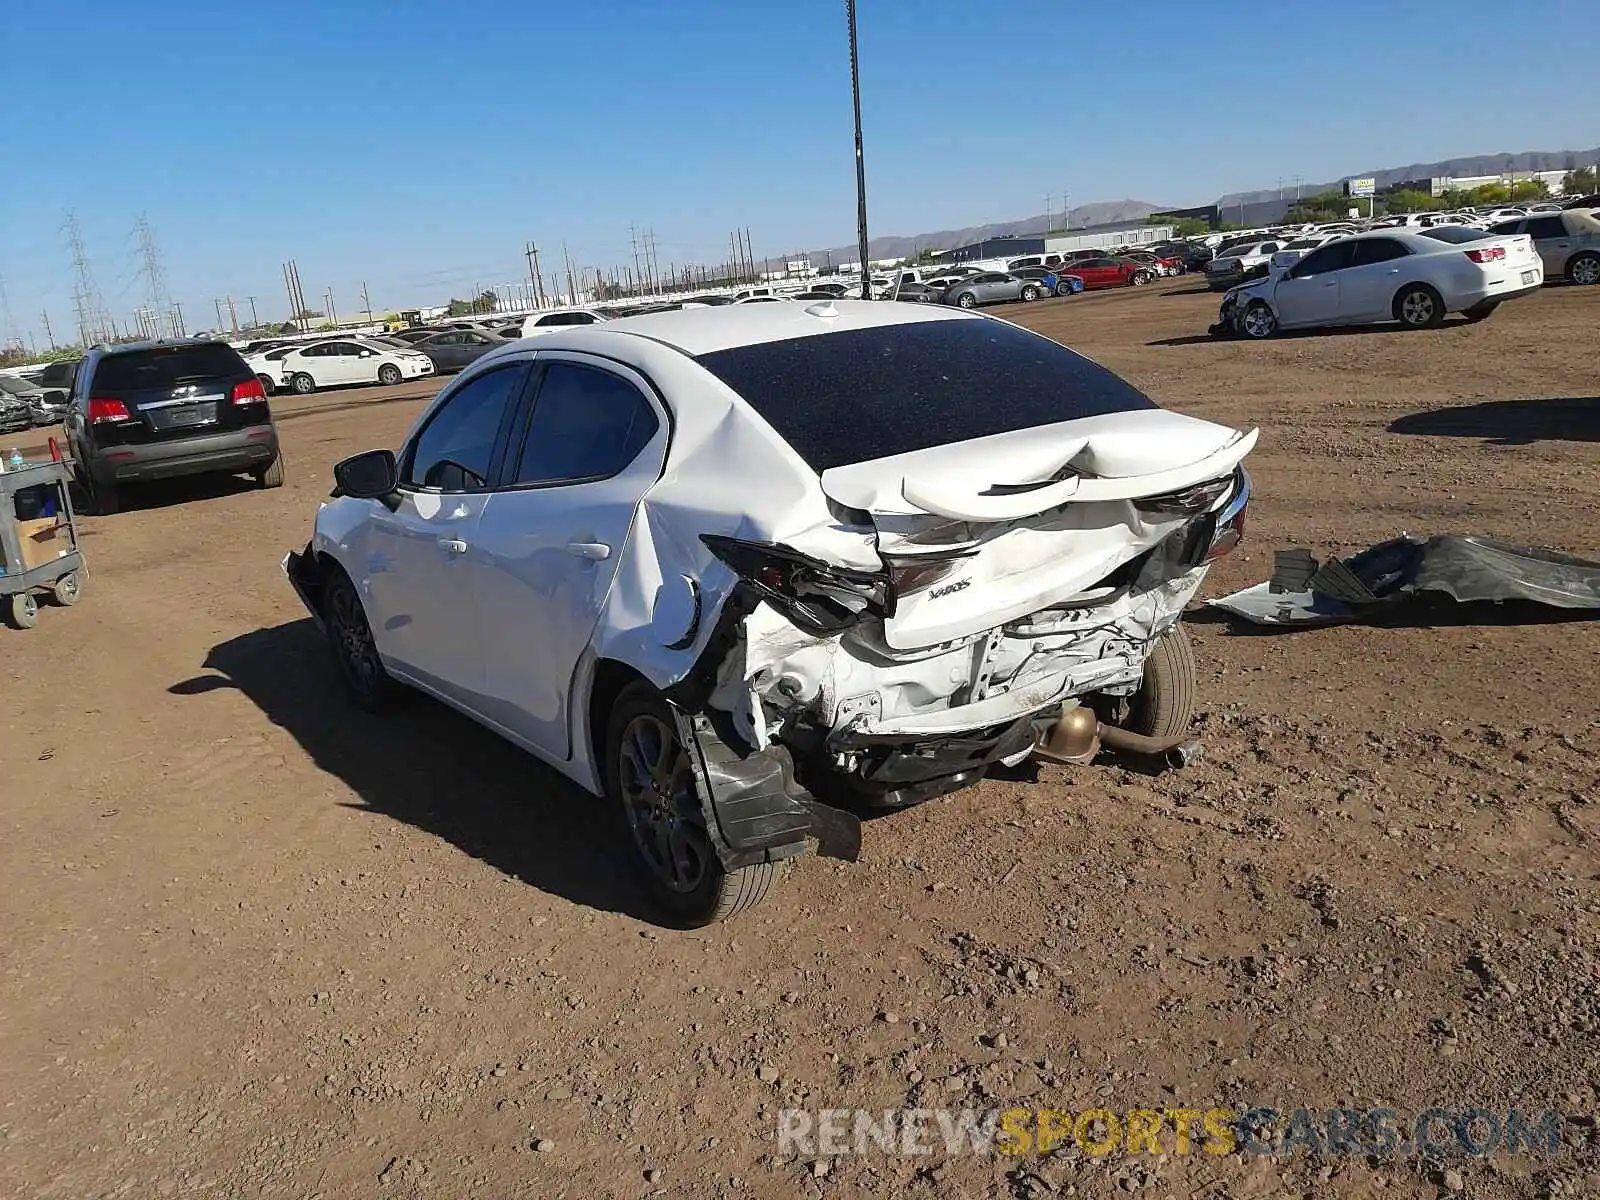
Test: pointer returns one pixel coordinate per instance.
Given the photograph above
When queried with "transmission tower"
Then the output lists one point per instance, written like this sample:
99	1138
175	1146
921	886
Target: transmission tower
87	303
155	278
8	321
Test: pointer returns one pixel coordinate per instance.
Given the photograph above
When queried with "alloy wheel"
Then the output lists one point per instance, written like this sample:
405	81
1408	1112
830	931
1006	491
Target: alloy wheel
1259	321
1586	270
662	807
352	640
1417	308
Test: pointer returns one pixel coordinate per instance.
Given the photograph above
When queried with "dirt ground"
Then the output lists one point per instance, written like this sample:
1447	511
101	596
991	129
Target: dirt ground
254	943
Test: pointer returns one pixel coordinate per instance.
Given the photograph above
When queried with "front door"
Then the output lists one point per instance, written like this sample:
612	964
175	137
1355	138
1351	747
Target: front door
1309	293
549	542
1367	289
419	590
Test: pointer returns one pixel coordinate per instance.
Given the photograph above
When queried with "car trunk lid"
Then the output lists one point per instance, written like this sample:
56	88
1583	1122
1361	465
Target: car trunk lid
981	532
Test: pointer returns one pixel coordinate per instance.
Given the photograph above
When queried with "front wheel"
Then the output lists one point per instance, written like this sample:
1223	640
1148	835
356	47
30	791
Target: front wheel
388	374
1479	312
302	384
1140	278
1584	269
1063	289
355	652
967	300
1030	293
648	776
1419	307
1259	320
21	610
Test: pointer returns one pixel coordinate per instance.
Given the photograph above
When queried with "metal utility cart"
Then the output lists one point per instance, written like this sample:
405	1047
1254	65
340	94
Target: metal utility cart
38	541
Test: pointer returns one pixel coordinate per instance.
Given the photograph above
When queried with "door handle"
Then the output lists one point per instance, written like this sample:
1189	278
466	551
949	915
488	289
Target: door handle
452	545
593	551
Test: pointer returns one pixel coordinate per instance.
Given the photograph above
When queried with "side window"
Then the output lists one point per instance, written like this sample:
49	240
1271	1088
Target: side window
455	450
1378	250
587	424
1505	227
1335	257
1546	227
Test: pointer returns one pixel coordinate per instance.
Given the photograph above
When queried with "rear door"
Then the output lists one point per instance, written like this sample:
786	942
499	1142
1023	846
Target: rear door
172	392
1552	241
549	541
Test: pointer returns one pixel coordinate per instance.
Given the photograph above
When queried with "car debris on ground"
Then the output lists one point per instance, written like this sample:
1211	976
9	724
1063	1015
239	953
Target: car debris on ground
1407	570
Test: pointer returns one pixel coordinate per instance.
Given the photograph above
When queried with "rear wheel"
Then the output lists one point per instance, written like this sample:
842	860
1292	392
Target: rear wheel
388	374
103	495
1140	278
268	383
355	652
1063	289
1030	293
1479	311
1584	268
21	610
1163	707
302	384
1419	307
271	477
648	776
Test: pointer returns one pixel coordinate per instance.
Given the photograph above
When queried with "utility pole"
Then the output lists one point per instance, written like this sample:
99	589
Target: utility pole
572	291
633	237
255	321
332	316
178	329
532	253
217	303
861	162
1047	213
48	333
366	302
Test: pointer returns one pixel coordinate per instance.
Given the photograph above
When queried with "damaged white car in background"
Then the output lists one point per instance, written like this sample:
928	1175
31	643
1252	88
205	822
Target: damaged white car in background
747	570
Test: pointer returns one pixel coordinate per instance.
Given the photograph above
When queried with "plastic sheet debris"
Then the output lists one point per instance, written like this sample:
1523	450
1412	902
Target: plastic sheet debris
1369	585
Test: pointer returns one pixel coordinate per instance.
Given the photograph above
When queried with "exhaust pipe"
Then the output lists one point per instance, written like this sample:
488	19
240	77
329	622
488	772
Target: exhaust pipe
1077	736
1174	751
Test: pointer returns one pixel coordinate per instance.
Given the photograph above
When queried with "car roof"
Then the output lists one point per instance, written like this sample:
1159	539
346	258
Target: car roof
106	351
697	331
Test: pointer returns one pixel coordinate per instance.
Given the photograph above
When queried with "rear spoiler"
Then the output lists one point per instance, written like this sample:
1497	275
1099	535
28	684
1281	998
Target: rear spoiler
933	497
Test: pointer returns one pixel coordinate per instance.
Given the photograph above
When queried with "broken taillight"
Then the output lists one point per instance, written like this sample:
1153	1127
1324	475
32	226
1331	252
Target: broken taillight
1196	499
1228	531
818	597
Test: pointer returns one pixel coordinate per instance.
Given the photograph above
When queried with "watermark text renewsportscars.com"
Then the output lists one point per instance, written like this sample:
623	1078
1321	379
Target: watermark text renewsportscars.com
1260	1130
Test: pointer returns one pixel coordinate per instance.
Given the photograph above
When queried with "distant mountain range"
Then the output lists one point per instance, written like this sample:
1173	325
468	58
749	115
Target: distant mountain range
1111	212
1457	168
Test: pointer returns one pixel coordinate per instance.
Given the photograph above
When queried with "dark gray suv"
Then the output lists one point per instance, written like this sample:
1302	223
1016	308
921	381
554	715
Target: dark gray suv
155	410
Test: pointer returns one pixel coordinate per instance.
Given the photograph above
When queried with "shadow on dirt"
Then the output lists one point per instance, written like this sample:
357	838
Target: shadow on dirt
428	766
1511	422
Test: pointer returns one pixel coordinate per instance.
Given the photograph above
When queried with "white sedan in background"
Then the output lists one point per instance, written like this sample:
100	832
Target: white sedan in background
560	318
340	362
1411	276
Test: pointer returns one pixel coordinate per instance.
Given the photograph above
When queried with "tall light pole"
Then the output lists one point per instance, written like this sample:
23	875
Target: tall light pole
861	163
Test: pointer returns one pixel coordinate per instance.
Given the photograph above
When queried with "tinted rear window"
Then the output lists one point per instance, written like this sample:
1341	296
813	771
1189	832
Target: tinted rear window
849	397
1456	235
167	367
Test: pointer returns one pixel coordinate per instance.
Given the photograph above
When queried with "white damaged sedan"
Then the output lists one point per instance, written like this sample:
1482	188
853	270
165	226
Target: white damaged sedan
745	570
1414	276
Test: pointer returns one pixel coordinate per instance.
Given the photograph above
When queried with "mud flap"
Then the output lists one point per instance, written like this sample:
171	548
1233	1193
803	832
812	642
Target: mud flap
754	809
305	580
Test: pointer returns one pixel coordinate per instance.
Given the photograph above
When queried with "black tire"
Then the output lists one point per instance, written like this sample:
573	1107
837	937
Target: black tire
272	476
1140	278
355	653
268	383
694	889
1065	290
302	384
966	300
388	375
1583	269
1030	293
67	590
21	610
1418	306
1258	321
1163	707
1479	312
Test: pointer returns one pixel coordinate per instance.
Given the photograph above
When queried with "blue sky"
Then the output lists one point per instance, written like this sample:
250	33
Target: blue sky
417	146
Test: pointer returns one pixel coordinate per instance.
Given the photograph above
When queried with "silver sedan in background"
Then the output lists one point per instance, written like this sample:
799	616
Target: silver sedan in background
992	287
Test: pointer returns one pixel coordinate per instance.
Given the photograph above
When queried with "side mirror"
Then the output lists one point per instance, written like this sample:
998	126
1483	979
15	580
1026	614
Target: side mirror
366	354
372	475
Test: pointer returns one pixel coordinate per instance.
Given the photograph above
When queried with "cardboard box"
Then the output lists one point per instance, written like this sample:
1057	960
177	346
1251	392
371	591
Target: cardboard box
43	541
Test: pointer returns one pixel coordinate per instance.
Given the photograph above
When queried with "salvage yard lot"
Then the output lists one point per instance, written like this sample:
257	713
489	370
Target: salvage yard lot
256	943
